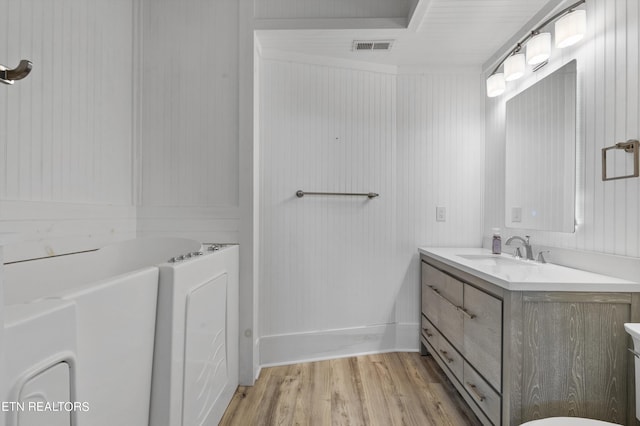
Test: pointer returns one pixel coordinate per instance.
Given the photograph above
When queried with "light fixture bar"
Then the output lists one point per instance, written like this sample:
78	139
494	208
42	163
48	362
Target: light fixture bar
536	30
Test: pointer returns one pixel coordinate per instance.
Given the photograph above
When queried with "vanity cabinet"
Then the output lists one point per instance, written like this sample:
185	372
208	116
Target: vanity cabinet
466	328
517	356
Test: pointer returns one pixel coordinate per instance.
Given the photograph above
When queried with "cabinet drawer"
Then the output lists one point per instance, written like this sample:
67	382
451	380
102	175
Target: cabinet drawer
483	334
484	396
451	357
450	323
429	332
443	284
430	304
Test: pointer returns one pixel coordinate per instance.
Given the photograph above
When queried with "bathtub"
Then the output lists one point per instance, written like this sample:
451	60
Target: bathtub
195	361
195	371
44	371
81	326
141	339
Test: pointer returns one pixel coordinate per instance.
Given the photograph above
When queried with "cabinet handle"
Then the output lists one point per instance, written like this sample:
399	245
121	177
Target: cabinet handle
437	292
636	354
446	358
475	391
426	331
465	312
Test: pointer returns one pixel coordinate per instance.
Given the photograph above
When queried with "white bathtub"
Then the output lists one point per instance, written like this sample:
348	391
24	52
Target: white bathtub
195	372
109	352
83	327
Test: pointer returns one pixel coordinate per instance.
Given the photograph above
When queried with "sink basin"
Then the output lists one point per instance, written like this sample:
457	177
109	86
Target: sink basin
525	275
634	330
494	260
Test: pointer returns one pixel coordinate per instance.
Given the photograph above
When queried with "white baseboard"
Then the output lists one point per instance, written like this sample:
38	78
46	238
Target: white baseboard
321	345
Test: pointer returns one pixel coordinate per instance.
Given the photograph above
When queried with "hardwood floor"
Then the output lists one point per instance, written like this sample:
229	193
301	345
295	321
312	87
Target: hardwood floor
385	389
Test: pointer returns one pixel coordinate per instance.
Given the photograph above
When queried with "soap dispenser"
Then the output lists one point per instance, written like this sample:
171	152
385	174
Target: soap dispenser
496	243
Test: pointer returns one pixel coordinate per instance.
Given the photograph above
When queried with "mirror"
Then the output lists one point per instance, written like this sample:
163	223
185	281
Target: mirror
540	154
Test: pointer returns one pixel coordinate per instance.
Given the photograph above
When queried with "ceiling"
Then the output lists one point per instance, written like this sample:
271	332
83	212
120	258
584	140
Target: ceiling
440	32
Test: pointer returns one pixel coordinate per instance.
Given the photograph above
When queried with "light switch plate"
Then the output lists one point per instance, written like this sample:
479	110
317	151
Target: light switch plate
516	214
441	214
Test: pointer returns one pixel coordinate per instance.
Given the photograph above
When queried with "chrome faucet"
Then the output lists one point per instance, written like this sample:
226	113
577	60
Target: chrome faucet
525	244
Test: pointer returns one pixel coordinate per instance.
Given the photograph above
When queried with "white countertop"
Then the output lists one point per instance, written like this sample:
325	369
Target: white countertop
8	237
521	275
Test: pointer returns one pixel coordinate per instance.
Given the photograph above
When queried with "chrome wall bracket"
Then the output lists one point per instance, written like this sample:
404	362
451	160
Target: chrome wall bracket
8	76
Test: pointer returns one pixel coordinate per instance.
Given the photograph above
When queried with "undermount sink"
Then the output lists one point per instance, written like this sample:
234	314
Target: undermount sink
634	330
494	260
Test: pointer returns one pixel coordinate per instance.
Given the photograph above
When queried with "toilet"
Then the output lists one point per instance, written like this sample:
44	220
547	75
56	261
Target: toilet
567	421
634	331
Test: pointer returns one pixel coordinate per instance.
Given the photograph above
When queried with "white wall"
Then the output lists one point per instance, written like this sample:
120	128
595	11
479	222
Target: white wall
196	131
66	131
609	110
323	9
439	163
338	275
189	173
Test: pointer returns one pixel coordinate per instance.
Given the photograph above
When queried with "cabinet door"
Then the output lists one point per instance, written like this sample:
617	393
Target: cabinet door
443	284
483	333
430	303
451	324
442	297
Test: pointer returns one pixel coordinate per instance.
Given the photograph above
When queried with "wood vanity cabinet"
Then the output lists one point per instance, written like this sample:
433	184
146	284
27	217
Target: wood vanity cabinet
516	356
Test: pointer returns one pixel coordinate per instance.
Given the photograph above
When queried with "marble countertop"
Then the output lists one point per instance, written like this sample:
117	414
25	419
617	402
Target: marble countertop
521	275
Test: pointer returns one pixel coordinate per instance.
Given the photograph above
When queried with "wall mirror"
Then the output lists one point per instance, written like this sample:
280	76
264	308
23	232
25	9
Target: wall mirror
540	154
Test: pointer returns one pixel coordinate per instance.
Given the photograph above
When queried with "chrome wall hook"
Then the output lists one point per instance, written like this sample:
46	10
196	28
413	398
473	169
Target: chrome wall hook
8	76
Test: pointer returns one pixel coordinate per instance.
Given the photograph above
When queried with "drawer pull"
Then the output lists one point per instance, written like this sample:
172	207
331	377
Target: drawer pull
446	358
465	312
636	354
475	391
437	292
426	331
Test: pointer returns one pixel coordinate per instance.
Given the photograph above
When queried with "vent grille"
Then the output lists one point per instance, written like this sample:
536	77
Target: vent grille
372	45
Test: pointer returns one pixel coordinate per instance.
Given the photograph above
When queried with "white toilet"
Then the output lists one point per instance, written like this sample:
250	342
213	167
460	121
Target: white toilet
634	331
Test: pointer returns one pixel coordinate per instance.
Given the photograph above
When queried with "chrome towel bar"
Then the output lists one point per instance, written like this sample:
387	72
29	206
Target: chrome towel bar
300	193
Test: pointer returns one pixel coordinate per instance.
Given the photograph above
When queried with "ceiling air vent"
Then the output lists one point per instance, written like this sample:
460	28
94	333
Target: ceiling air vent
372	45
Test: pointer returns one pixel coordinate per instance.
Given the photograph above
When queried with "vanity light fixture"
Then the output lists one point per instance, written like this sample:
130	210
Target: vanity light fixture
570	27
538	48
514	66
496	85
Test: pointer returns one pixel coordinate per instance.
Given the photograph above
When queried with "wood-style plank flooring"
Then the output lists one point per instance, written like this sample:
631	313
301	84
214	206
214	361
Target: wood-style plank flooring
385	389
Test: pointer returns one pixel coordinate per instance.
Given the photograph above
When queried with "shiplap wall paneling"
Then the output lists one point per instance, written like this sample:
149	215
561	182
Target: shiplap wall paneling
608	112
339	275
300	9
189	124
66	130
439	163
324	260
